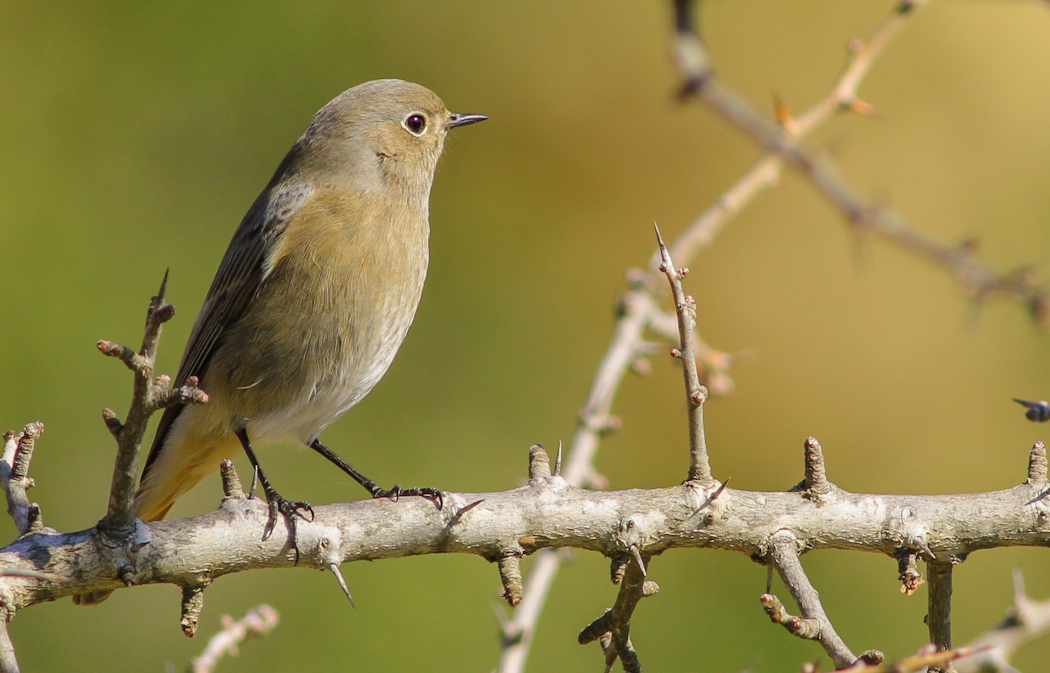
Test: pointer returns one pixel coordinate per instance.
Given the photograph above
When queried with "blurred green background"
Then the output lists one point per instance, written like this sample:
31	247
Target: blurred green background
137	134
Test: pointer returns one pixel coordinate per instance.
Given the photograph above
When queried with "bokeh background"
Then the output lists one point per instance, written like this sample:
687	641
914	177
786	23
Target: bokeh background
135	135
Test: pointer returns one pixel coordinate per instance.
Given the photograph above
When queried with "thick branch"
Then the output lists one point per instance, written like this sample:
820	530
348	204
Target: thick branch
544	513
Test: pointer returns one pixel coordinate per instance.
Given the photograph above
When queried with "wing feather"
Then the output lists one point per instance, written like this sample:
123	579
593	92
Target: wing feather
241	272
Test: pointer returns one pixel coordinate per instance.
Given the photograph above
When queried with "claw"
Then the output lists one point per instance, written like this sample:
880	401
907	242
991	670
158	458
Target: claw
271	521
396	492
289	510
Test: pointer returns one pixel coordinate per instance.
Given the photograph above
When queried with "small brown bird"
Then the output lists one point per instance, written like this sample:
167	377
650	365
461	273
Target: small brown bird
313	297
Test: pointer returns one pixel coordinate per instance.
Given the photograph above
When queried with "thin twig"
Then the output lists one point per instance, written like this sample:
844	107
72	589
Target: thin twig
977	279
259	621
685	308
1024	622
784	558
119	522
14	476
766	171
613	629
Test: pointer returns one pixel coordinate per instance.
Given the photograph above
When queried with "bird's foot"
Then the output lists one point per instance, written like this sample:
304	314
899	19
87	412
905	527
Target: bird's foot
291	510
395	493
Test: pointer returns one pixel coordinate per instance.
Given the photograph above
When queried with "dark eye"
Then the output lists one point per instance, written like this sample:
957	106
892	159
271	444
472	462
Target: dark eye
415	124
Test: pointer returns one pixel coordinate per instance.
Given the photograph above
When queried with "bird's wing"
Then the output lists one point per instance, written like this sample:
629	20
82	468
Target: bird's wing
236	283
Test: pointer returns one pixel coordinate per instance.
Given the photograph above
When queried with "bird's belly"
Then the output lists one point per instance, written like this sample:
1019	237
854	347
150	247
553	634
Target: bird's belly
289	379
333	388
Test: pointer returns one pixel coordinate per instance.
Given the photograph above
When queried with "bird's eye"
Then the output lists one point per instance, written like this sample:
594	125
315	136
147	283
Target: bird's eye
416	124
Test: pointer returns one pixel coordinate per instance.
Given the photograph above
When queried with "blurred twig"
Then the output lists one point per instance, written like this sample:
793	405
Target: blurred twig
1024	622
699	80
259	621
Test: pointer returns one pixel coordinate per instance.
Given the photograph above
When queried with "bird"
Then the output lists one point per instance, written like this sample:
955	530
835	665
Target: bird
1038	412
313	298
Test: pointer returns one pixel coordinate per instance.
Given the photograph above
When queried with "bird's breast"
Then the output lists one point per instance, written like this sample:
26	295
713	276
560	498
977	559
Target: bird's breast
329	318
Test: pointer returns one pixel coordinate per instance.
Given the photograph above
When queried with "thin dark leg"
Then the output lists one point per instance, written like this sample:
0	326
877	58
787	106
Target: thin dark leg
396	492
290	509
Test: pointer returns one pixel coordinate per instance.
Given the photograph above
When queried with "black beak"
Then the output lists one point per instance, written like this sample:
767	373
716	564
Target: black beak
464	119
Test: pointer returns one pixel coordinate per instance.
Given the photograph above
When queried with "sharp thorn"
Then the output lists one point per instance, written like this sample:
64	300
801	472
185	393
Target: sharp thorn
334	567
659	237
637	554
164	284
557	461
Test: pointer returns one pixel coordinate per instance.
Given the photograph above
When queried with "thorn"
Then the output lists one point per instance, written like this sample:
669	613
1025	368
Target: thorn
334	567
659	238
782	113
970	246
861	108
164	284
637	554
557	461
710	499
505	625
459	513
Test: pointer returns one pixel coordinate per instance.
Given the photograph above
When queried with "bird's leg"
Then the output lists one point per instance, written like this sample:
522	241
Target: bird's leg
433	494
288	508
